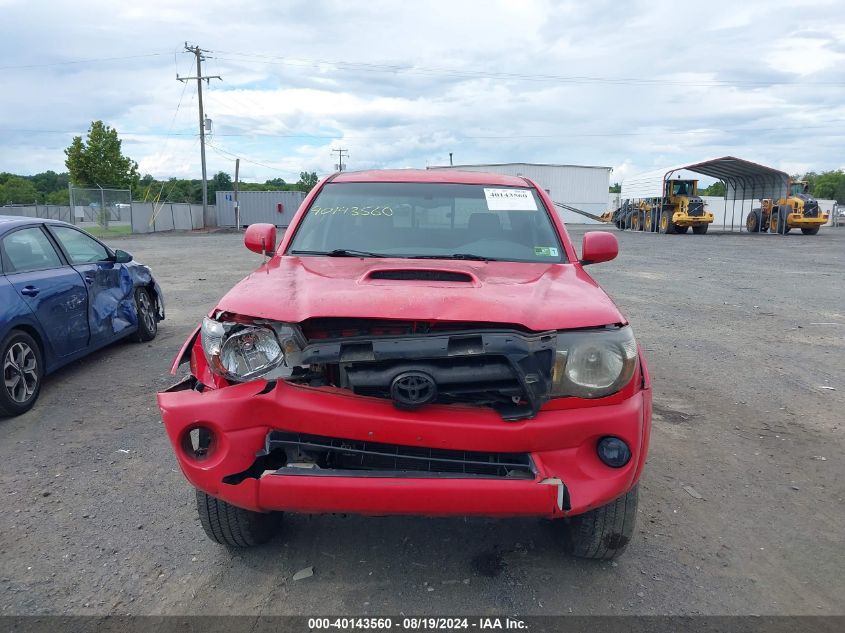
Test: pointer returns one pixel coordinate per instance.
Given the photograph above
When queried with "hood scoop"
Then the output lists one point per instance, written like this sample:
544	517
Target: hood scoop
422	274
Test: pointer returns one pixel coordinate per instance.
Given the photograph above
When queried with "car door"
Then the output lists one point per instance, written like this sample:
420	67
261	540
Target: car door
111	307
54	291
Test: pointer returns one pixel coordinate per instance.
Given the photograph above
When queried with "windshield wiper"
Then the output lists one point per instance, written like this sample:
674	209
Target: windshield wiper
468	256
339	252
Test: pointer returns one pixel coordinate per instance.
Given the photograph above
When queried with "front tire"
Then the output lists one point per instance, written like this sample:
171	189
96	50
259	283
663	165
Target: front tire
666	224
233	526
810	230
23	369
778	220
145	308
754	222
603	533
701	229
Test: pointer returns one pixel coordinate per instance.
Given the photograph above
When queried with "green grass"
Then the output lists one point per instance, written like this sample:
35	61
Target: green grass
112	231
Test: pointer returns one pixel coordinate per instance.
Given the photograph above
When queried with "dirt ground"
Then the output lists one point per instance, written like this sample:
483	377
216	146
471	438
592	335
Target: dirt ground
742	333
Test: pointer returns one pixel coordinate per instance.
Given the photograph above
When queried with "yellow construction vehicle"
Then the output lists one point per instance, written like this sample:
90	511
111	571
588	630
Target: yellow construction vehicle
798	210
678	209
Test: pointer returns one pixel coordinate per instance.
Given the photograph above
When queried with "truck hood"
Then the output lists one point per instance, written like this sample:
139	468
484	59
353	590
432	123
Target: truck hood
537	296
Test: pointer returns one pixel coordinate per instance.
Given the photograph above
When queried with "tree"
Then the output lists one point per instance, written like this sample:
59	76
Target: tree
716	189
615	188
277	183
99	160
307	180
60	197
221	181
17	190
828	185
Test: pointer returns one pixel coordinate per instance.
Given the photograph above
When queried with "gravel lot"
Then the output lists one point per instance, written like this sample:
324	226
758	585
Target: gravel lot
742	334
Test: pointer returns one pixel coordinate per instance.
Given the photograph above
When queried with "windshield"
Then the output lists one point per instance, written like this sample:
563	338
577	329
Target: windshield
682	188
428	220
799	187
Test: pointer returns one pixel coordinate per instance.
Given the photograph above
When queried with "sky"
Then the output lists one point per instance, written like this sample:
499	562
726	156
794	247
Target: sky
629	85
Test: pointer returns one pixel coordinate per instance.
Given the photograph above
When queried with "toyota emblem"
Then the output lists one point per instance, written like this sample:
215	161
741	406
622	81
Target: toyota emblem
412	389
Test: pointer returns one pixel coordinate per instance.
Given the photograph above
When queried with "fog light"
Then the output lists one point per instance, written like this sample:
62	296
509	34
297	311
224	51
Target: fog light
613	452
198	443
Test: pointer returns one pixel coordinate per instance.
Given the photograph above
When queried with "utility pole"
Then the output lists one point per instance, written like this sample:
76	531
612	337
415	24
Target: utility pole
450	159
207	219
237	206
340	154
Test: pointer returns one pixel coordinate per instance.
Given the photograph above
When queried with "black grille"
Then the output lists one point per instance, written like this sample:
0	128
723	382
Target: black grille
811	209
421	275
695	208
331	453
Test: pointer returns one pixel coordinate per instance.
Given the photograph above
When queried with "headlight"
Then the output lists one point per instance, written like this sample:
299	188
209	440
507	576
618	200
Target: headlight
242	351
593	364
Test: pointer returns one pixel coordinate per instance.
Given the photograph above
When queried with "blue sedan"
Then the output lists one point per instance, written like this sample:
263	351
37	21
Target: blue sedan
64	294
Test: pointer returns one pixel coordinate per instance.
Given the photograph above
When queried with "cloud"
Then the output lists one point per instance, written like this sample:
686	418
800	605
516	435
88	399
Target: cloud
631	85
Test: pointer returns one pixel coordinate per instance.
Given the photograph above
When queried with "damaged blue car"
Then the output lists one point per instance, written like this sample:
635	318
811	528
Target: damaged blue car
64	294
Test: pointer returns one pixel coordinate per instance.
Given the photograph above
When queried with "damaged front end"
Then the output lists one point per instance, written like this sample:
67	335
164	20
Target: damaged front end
414	364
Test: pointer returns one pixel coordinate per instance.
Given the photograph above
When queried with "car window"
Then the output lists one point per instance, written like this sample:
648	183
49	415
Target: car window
430	220
29	249
80	248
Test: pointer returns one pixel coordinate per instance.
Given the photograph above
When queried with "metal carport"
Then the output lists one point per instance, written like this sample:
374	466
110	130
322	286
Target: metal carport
744	180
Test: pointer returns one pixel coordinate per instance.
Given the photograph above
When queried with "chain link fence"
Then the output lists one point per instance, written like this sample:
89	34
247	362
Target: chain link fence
100	206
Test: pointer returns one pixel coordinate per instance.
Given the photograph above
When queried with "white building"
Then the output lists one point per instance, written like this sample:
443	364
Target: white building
578	186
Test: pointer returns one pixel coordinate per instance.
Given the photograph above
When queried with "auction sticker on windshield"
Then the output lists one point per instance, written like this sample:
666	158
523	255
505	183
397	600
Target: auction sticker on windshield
510	200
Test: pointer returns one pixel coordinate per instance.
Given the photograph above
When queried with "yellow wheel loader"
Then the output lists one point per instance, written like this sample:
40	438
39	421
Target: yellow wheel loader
799	210
678	209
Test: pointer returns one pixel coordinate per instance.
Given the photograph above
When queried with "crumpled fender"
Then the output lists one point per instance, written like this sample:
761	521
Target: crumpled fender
112	288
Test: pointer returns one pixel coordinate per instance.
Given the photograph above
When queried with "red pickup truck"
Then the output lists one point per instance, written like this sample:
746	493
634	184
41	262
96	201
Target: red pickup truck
420	342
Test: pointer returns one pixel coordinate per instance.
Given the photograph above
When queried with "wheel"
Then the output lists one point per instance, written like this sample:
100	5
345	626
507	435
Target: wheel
681	229
605	532
147	317
666	224
636	221
701	229
650	222
754	222
232	526
810	230
23	370
777	221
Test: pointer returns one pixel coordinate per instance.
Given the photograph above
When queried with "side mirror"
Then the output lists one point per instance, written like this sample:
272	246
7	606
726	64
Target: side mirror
121	257
598	246
260	238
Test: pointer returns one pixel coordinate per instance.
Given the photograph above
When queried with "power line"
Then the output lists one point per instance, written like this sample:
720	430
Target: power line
81	61
469	137
463	73
228	154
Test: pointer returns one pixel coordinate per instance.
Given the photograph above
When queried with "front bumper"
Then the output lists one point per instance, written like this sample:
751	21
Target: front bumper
569	477
683	219
796	220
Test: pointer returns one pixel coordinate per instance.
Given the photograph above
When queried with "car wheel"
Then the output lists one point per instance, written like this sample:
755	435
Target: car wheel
147	319
810	230
22	373
233	526
602	533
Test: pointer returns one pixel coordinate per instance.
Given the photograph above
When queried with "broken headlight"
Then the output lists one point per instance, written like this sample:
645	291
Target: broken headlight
593	364
243	351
